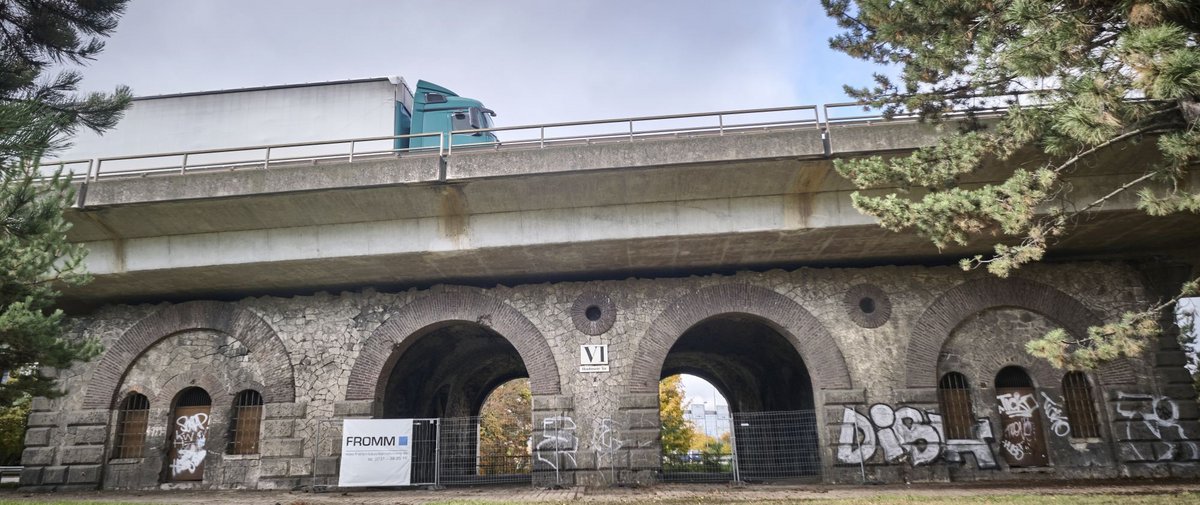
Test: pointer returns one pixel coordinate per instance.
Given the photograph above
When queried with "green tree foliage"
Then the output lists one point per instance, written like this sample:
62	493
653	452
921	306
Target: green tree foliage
677	432
1086	77
505	428
38	114
12	431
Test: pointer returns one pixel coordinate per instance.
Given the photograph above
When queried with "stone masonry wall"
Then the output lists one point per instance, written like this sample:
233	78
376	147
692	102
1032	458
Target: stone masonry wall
874	369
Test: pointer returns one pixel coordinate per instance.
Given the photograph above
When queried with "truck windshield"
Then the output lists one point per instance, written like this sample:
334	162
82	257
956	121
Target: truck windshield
480	119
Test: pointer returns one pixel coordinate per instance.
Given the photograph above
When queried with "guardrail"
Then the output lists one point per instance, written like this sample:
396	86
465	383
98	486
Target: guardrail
528	136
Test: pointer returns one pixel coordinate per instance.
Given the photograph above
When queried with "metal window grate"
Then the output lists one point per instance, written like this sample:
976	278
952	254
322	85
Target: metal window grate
193	397
954	398
131	426
245	422
1080	405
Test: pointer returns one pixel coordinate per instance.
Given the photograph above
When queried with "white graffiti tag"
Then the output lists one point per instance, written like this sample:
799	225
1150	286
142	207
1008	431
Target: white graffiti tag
558	440
1058	418
191	434
1017	405
908	433
605	441
1160	417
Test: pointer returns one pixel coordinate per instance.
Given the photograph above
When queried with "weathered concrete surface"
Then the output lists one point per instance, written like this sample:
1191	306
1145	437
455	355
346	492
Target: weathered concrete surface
615	209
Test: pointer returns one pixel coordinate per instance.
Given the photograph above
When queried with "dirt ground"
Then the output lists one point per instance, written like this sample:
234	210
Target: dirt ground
1145	491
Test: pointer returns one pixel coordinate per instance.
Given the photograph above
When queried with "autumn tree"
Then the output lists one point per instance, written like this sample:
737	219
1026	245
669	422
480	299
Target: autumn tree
1086	76
505	426
677	432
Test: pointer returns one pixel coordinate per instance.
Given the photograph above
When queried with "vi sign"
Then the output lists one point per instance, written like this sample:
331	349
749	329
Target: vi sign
593	358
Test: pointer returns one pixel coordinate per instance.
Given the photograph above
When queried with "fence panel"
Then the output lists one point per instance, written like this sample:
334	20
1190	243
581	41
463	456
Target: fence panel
776	445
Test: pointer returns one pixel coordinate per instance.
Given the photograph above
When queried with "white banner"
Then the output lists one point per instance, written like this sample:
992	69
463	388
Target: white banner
376	452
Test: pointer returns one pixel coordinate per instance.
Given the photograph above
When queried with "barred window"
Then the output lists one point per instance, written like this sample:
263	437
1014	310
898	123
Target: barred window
244	423
1080	406
132	417
954	398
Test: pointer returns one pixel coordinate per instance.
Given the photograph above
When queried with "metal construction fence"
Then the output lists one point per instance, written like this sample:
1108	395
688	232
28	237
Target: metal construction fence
760	447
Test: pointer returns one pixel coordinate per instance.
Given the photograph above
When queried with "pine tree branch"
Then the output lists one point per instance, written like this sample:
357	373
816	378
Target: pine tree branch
1114	140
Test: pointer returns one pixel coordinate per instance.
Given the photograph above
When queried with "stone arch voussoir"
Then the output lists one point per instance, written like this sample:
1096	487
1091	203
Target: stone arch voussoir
452	306
949	310
816	345
240	323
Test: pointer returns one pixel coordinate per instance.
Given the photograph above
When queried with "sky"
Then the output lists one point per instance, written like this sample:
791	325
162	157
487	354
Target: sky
532	61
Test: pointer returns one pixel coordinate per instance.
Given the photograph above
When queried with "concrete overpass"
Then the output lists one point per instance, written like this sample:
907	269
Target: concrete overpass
660	204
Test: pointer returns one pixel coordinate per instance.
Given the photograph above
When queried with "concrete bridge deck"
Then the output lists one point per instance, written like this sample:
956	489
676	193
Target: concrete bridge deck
665	206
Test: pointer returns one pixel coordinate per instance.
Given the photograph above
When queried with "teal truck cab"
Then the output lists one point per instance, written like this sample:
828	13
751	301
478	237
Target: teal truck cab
437	109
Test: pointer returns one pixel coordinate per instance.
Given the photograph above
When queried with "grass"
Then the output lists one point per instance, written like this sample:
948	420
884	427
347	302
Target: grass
1011	499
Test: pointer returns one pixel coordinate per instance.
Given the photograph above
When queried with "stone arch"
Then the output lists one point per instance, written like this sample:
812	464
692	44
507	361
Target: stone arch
240	323
378	352
815	344
949	310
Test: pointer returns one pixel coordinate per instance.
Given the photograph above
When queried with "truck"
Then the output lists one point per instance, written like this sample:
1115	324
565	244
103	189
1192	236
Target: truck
286	114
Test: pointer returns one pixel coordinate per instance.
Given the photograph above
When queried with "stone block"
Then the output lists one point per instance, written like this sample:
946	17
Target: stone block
284	483
41	405
282	448
642	419
553	403
328	466
279	428
300	467
37	437
31	476
645	458
917	397
1135	451
364	408
41	419
842	396
639	401
1180	391
82	454
54	475
38	456
90	434
1178	375
1170	358
273	467
83	474
285	410
87	417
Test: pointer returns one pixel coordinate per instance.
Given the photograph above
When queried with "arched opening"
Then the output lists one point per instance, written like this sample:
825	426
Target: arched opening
505	428
189	435
697	436
767	387
1023	437
441	377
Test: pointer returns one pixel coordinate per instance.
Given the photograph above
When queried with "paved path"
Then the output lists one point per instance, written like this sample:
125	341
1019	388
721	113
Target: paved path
691	493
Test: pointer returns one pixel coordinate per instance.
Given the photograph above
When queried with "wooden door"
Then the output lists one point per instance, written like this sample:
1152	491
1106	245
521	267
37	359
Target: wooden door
189	444
1022	439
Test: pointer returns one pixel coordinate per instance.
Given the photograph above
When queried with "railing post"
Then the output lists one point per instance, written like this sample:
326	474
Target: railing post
631	130
437	452
352	150
721	124
449	146
542	137
95	174
267	158
183	167
733	447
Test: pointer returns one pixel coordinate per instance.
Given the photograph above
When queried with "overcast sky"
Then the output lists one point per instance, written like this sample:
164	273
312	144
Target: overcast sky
531	61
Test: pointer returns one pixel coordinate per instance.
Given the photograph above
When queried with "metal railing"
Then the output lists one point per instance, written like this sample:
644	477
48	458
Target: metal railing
538	136
635	128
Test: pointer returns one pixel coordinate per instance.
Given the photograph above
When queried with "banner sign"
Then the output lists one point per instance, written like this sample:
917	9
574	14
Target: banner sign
376	452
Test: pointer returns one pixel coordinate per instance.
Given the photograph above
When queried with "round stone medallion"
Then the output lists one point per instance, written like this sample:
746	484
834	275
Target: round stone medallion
868	306
593	313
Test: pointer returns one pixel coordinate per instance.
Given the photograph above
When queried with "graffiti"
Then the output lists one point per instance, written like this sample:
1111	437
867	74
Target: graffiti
908	433
1017	405
1058	418
1159	415
558	439
1020	432
191	433
605	440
